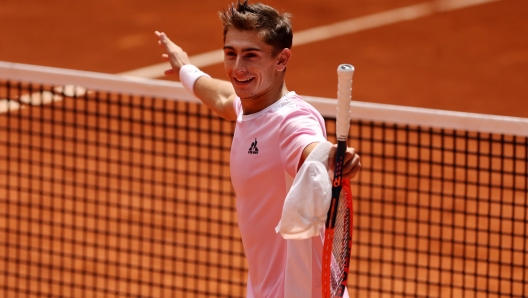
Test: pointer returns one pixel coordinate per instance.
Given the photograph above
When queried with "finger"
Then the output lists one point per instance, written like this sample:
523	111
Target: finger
349	154
352	167
169	72
353	173
161	35
165	57
163	39
350	159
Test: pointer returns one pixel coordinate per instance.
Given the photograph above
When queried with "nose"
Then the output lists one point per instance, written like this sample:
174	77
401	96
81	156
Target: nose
239	66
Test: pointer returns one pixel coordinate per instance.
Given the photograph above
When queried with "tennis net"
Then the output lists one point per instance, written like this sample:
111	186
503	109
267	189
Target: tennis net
121	188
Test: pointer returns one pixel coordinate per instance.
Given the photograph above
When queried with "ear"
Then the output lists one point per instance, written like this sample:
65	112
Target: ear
282	59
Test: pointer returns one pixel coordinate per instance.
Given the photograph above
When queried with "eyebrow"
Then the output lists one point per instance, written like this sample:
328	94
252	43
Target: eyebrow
244	49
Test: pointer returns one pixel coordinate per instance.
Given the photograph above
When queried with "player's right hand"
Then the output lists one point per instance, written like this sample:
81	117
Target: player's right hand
173	53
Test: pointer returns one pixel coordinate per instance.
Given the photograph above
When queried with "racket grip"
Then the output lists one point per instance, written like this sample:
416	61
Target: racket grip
344	96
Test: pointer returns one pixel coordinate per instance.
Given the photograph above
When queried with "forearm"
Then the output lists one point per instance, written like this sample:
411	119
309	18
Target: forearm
218	95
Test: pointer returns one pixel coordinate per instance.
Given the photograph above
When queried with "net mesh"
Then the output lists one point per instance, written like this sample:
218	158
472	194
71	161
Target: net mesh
440	213
112	194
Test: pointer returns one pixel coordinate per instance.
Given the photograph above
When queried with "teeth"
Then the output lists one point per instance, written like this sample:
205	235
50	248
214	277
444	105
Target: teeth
246	80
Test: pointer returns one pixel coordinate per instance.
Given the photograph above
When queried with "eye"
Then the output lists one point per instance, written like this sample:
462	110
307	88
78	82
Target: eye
251	55
230	54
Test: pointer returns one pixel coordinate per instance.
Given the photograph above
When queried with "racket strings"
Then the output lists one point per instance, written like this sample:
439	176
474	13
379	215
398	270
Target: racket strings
340	244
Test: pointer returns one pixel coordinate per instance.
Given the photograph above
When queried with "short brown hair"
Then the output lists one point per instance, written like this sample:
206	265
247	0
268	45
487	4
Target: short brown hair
275	27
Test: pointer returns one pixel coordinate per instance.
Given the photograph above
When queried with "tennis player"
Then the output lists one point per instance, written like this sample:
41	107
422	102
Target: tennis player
275	132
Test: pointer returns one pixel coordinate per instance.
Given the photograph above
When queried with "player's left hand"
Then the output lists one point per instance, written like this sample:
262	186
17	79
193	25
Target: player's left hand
352	163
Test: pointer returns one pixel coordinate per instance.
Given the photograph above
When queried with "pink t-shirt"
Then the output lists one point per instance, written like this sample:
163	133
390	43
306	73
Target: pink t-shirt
265	155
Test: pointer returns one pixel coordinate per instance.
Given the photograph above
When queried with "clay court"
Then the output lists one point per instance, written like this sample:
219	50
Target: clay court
470	59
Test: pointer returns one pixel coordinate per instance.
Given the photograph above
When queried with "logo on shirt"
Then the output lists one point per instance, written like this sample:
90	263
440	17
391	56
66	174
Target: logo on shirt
253	149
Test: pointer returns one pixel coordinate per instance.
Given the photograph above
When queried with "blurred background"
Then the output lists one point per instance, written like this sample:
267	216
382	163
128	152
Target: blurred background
472	59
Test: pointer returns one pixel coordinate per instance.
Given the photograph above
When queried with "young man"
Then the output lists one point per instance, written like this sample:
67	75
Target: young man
275	132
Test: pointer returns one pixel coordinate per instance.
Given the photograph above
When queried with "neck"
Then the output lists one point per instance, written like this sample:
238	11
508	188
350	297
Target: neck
258	103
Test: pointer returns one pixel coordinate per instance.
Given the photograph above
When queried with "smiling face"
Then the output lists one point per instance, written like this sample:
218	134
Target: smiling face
253	69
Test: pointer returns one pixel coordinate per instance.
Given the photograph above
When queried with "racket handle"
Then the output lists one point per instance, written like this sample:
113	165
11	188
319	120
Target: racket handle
344	96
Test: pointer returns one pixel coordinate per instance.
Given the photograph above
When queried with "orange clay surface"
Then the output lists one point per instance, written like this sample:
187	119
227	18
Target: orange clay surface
473	59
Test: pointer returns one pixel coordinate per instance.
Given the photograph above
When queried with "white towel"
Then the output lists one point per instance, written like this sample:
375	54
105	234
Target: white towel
306	204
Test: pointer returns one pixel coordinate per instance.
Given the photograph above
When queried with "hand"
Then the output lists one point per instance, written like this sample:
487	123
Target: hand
352	163
174	54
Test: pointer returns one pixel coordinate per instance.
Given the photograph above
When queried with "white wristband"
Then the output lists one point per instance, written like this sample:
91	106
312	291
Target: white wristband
188	76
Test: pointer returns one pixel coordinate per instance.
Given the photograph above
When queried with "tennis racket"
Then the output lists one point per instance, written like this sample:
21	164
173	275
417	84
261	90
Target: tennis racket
338	227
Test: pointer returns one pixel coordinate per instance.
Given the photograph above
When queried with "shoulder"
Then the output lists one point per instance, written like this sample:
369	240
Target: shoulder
298	107
299	117
292	105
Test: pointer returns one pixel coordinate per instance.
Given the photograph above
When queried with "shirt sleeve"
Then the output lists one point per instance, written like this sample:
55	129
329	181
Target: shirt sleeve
297	130
237	105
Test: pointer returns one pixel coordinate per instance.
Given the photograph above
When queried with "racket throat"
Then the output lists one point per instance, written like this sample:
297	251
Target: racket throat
332	211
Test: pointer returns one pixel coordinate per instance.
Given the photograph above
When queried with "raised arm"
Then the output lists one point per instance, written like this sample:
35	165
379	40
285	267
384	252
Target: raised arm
216	94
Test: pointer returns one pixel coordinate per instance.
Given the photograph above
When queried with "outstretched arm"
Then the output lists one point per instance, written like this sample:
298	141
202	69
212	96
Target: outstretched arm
352	163
216	94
